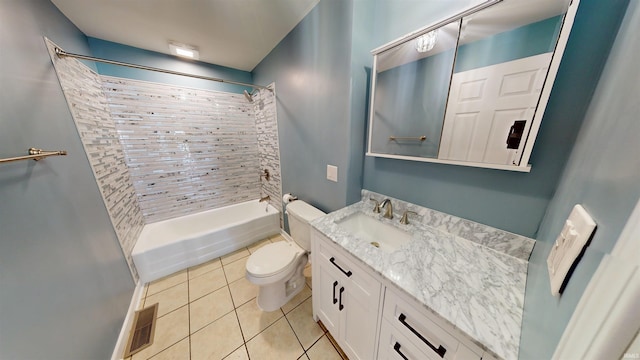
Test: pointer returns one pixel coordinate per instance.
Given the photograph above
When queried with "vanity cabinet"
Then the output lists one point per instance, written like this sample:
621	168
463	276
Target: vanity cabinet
371	318
345	298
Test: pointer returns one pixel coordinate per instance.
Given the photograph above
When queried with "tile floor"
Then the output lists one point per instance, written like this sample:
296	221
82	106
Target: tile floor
209	312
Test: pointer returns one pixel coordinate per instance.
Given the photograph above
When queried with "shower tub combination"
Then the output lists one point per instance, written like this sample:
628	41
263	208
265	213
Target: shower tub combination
172	245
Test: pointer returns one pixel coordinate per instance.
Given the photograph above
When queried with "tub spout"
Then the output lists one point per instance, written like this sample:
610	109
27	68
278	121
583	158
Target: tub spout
265	198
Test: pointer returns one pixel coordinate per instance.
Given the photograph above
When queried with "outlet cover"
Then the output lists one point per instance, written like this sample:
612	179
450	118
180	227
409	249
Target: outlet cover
575	233
332	173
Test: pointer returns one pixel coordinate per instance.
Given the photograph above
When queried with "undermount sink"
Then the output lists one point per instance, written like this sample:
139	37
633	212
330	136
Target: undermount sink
383	236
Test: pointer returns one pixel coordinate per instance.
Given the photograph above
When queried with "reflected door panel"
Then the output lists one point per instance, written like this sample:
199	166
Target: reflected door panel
483	105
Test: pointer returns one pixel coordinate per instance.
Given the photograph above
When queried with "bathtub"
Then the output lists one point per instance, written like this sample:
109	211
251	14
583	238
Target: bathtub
171	245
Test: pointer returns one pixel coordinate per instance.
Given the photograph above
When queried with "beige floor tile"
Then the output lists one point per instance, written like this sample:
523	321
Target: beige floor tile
242	291
169	299
206	283
218	339
236	270
278	237
204	268
303	295
253	320
323	350
179	351
277	342
209	308
236	255
170	329
257	245
239	354
167	282
301	319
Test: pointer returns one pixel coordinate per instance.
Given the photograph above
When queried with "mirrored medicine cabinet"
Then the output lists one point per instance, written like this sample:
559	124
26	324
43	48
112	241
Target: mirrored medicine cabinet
472	89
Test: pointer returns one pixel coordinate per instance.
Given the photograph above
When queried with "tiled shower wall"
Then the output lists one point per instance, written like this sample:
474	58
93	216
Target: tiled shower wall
188	150
88	105
160	151
264	107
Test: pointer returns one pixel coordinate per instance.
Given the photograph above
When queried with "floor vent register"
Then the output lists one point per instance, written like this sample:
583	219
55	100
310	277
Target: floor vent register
144	326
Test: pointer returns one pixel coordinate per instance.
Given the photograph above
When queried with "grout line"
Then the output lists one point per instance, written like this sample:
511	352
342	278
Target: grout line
304	351
189	312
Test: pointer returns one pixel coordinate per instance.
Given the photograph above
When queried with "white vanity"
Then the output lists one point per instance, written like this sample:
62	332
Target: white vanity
453	290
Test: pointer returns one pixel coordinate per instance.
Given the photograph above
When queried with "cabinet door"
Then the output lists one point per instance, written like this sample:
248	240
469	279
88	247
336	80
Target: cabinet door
360	319
326	290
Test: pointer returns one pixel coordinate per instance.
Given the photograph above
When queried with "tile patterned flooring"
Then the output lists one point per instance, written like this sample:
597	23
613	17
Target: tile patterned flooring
209	312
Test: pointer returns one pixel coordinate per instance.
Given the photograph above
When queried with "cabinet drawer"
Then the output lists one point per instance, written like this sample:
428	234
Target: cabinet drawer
395	346
425	334
345	268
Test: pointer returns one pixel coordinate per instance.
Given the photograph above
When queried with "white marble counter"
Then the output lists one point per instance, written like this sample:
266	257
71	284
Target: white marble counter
471	275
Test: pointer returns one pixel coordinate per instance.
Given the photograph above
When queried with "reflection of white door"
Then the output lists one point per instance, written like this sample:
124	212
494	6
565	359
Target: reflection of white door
483	105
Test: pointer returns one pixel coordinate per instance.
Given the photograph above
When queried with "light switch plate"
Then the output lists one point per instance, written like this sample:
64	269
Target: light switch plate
332	173
573	237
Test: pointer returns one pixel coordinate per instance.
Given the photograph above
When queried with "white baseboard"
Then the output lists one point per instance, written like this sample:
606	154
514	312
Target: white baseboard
126	325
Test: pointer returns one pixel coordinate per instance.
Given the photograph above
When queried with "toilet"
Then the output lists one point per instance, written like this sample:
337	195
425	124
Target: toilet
277	268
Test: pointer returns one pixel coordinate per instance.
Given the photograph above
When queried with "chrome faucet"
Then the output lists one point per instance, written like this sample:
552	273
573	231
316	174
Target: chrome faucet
389	213
376	207
405	217
265	198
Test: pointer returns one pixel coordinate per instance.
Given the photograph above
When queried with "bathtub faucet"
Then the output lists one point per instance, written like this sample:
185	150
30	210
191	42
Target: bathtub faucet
265	198
265	174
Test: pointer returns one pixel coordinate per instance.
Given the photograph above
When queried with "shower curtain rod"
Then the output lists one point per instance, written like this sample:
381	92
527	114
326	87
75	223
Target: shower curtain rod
62	53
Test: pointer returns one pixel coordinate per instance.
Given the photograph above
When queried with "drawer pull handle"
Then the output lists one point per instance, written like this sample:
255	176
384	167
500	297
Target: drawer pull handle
341	291
333	261
396	347
334	292
440	350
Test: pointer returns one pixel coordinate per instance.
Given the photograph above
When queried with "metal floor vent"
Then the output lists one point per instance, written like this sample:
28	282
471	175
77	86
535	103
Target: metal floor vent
144	326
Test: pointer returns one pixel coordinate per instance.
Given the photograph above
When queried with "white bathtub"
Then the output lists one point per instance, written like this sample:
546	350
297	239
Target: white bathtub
175	244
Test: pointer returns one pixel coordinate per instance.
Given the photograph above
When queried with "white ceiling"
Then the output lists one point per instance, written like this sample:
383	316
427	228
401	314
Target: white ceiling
233	33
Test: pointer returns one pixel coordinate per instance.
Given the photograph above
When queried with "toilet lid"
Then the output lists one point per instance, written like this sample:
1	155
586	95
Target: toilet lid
272	259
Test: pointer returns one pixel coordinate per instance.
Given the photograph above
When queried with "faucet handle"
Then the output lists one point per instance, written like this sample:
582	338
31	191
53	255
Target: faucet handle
376	207
405	217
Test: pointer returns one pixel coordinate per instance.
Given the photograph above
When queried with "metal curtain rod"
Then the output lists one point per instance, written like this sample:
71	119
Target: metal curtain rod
35	154
62	53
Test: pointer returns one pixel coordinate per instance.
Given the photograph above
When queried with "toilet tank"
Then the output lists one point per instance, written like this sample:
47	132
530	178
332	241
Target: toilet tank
300	214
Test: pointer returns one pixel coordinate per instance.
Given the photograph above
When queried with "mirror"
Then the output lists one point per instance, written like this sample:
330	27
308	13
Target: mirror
470	90
412	85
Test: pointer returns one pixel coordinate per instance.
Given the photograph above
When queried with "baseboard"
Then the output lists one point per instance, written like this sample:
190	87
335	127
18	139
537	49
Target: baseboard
118	351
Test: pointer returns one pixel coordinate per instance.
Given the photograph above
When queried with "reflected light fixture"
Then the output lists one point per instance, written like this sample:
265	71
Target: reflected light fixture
426	42
184	50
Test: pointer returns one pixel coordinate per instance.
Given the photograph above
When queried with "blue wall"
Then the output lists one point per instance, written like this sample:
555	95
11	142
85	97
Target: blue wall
511	201
529	40
119	52
312	69
602	174
64	284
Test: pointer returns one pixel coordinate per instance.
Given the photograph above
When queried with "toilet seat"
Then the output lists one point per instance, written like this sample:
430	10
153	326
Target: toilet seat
272	259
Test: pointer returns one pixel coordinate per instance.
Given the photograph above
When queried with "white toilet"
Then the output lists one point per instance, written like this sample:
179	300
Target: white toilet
277	268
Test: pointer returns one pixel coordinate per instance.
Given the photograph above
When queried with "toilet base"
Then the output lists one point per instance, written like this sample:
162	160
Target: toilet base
271	297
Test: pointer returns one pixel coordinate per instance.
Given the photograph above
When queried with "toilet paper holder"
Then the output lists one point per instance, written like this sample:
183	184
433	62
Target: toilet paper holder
287	198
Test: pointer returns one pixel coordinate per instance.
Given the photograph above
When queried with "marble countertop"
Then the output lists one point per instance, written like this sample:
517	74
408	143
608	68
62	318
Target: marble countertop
471	275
